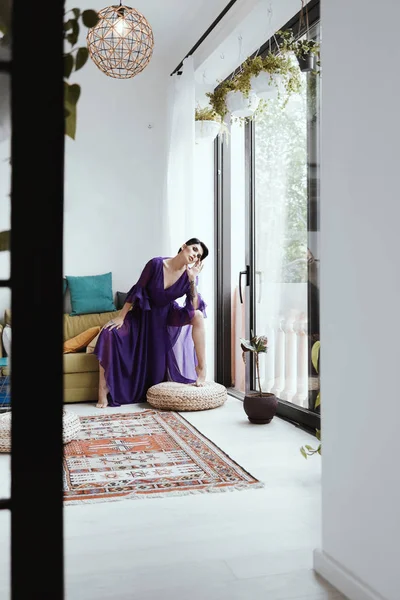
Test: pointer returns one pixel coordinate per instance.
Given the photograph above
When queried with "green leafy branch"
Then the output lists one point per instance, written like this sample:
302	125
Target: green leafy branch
257	345
74	60
307	450
206	114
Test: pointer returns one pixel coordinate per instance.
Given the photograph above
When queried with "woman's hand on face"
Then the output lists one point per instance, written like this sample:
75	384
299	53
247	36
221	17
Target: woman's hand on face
194	271
114	323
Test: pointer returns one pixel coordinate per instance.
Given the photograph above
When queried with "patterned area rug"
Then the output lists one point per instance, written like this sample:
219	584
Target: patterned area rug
146	454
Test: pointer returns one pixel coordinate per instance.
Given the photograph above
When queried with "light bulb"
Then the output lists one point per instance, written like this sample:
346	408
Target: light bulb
121	27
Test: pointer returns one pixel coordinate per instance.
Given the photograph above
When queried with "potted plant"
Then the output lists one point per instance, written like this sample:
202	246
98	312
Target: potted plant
260	407
306	50
232	97
269	75
208	124
308	450
259	79
263	75
218	98
240	104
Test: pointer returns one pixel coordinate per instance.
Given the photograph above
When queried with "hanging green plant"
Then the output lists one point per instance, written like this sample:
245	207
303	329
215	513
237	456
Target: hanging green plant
218	97
251	67
279	65
273	64
206	114
306	51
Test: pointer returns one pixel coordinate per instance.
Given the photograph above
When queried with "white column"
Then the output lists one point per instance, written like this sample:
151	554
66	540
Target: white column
301	396
290	359
279	359
269	361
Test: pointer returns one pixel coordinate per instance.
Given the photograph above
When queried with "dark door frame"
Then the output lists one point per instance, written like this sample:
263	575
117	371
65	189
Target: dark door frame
37	190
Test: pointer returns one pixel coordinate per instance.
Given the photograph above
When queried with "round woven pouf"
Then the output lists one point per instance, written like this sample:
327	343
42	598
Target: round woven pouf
5	432
71	426
181	397
71	429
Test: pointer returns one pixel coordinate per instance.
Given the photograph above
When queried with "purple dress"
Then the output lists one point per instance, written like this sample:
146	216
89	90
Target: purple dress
154	343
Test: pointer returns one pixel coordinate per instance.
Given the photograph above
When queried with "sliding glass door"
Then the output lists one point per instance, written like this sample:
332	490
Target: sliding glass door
273	262
281	242
239	243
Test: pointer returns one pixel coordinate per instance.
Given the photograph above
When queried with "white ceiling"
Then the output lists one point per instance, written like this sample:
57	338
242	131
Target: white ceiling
176	24
250	24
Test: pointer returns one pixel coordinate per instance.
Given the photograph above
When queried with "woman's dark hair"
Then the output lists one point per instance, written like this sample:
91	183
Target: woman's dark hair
193	241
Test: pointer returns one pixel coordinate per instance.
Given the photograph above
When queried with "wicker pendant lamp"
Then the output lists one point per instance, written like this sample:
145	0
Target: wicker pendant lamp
121	44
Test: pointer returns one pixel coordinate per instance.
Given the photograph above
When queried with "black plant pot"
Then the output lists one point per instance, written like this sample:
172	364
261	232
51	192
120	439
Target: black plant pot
307	62
260	409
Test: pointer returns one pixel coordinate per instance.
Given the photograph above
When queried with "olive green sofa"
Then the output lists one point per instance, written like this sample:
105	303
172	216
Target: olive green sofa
81	370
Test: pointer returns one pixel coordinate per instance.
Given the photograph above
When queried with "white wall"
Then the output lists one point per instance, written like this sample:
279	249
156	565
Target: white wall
114	175
360	299
115	184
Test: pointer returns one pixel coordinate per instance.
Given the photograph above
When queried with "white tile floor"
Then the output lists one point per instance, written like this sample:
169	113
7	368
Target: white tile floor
241	545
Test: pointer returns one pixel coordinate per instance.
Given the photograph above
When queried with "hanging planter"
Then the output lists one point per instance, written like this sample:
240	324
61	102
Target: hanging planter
242	105
307	59
259	78
265	85
306	50
206	131
207	125
270	76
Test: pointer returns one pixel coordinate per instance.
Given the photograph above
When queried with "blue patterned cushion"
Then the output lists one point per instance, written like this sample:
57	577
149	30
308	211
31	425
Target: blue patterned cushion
91	294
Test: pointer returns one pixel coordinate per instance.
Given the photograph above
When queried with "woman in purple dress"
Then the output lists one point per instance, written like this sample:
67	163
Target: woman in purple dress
150	342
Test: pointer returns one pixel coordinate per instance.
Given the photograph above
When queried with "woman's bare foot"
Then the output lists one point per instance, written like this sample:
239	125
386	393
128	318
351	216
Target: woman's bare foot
102	402
201	376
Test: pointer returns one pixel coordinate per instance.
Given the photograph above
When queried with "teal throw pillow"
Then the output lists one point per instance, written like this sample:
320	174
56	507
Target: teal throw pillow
91	294
64	285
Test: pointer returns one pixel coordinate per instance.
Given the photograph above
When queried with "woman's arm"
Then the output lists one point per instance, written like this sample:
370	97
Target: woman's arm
137	295
194	295
125	309
193	274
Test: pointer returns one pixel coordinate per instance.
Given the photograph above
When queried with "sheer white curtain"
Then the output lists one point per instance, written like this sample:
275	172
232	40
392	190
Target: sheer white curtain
180	160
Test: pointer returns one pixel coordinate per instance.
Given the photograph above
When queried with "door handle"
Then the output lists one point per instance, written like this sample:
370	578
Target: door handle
241	273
